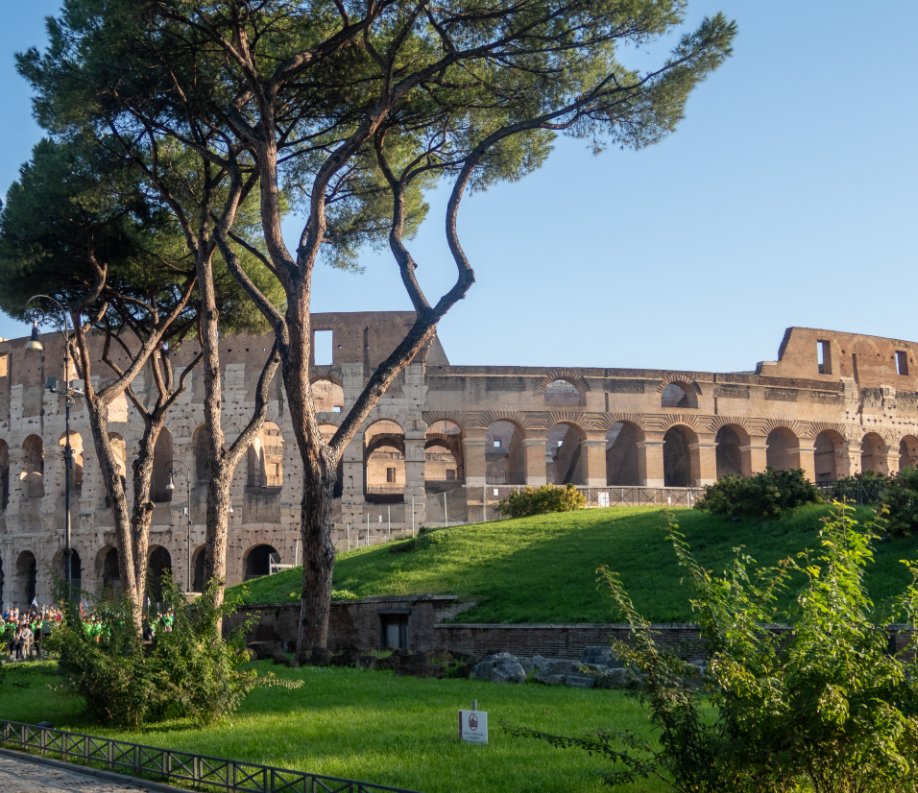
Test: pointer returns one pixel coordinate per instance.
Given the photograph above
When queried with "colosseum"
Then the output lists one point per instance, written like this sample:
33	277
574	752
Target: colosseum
442	447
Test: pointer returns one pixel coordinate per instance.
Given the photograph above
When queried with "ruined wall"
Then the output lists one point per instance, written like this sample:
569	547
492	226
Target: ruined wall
459	438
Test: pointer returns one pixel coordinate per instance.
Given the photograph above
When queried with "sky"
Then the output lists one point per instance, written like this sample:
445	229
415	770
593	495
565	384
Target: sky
787	196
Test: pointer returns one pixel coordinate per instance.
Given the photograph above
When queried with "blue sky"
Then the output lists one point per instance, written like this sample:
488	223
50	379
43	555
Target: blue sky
788	196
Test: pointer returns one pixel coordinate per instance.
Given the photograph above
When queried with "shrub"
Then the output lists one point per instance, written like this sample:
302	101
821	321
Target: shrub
541	500
764	495
824	707
189	672
900	498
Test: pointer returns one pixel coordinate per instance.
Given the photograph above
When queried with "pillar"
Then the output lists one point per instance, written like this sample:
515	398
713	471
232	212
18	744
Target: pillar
534	449
593	454
650	460
756	453
704	456
807	458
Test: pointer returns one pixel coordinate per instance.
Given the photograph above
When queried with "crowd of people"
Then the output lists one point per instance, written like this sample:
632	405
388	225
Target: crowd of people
23	632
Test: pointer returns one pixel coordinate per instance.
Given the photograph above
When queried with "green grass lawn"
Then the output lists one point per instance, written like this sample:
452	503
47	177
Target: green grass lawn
541	569
376	727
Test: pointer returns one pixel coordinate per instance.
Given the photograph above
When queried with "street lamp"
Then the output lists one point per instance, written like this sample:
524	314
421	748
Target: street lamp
34	345
177	467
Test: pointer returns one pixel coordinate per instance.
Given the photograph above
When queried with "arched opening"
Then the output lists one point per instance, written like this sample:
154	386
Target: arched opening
76	449
873	454
680	457
328	396
158	567
827	448
384	444
623	465
505	455
782	450
59	567
162	467
443	453
108	571
33	466
4	476
265	461
197	566
562	393
26	578
258	561
678	395
908	452
732	452
200	450
564	458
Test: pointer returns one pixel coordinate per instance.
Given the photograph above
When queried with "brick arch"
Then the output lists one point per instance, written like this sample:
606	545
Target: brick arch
717	422
639	420
690	385
573	376
815	428
458	419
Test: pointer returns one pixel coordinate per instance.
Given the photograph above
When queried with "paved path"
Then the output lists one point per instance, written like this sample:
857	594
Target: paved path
24	775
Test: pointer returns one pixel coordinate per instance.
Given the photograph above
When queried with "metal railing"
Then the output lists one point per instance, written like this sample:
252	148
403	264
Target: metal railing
858	491
184	768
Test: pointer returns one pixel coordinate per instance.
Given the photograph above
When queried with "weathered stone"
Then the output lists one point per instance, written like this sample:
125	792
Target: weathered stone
600	655
499	668
579	681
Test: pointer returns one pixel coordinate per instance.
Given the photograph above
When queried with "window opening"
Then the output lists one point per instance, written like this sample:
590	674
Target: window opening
901	362
322	347
824	356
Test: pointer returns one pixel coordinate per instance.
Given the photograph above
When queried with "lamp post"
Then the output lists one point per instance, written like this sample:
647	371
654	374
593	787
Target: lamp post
177	467
34	345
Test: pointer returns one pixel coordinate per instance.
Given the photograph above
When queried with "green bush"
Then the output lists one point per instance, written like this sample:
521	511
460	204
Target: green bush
823	707
900	499
764	495
189	672
541	500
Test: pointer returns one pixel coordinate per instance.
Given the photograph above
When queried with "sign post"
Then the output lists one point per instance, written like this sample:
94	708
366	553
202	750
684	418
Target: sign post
473	724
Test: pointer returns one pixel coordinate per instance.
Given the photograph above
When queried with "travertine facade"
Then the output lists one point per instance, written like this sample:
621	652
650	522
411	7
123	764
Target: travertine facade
444	445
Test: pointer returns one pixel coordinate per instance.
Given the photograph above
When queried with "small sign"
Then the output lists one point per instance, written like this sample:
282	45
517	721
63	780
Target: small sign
473	726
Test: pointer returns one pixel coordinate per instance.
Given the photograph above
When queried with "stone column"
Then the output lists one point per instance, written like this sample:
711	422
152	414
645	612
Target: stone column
415	490
474	442
534	448
757	454
593	451
807	452
650	460
704	455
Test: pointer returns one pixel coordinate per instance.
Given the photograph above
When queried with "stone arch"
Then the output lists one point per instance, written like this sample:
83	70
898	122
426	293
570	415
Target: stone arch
782	449
76	447
257	561
328	396
873	454
197	568
908	452
108	571
265	459
33	466
678	394
59	570
505	454
828	447
200	452
443	457
163	455
384	460
733	457
623	464
158	565
26	585
564	458
4	478
681	463
562	392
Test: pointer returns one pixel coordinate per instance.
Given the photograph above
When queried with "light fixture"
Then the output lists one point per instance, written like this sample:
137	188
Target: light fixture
170	485
34	344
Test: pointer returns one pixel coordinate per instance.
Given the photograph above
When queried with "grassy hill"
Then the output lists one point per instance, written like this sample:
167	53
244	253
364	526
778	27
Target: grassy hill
542	569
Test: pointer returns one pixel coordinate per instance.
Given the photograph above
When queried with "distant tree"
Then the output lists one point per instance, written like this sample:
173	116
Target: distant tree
354	109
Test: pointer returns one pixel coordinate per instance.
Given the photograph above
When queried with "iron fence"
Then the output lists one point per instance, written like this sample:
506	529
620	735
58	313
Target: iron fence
185	768
858	491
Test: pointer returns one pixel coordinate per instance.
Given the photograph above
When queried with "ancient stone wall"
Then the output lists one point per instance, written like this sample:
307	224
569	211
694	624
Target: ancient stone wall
443	446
